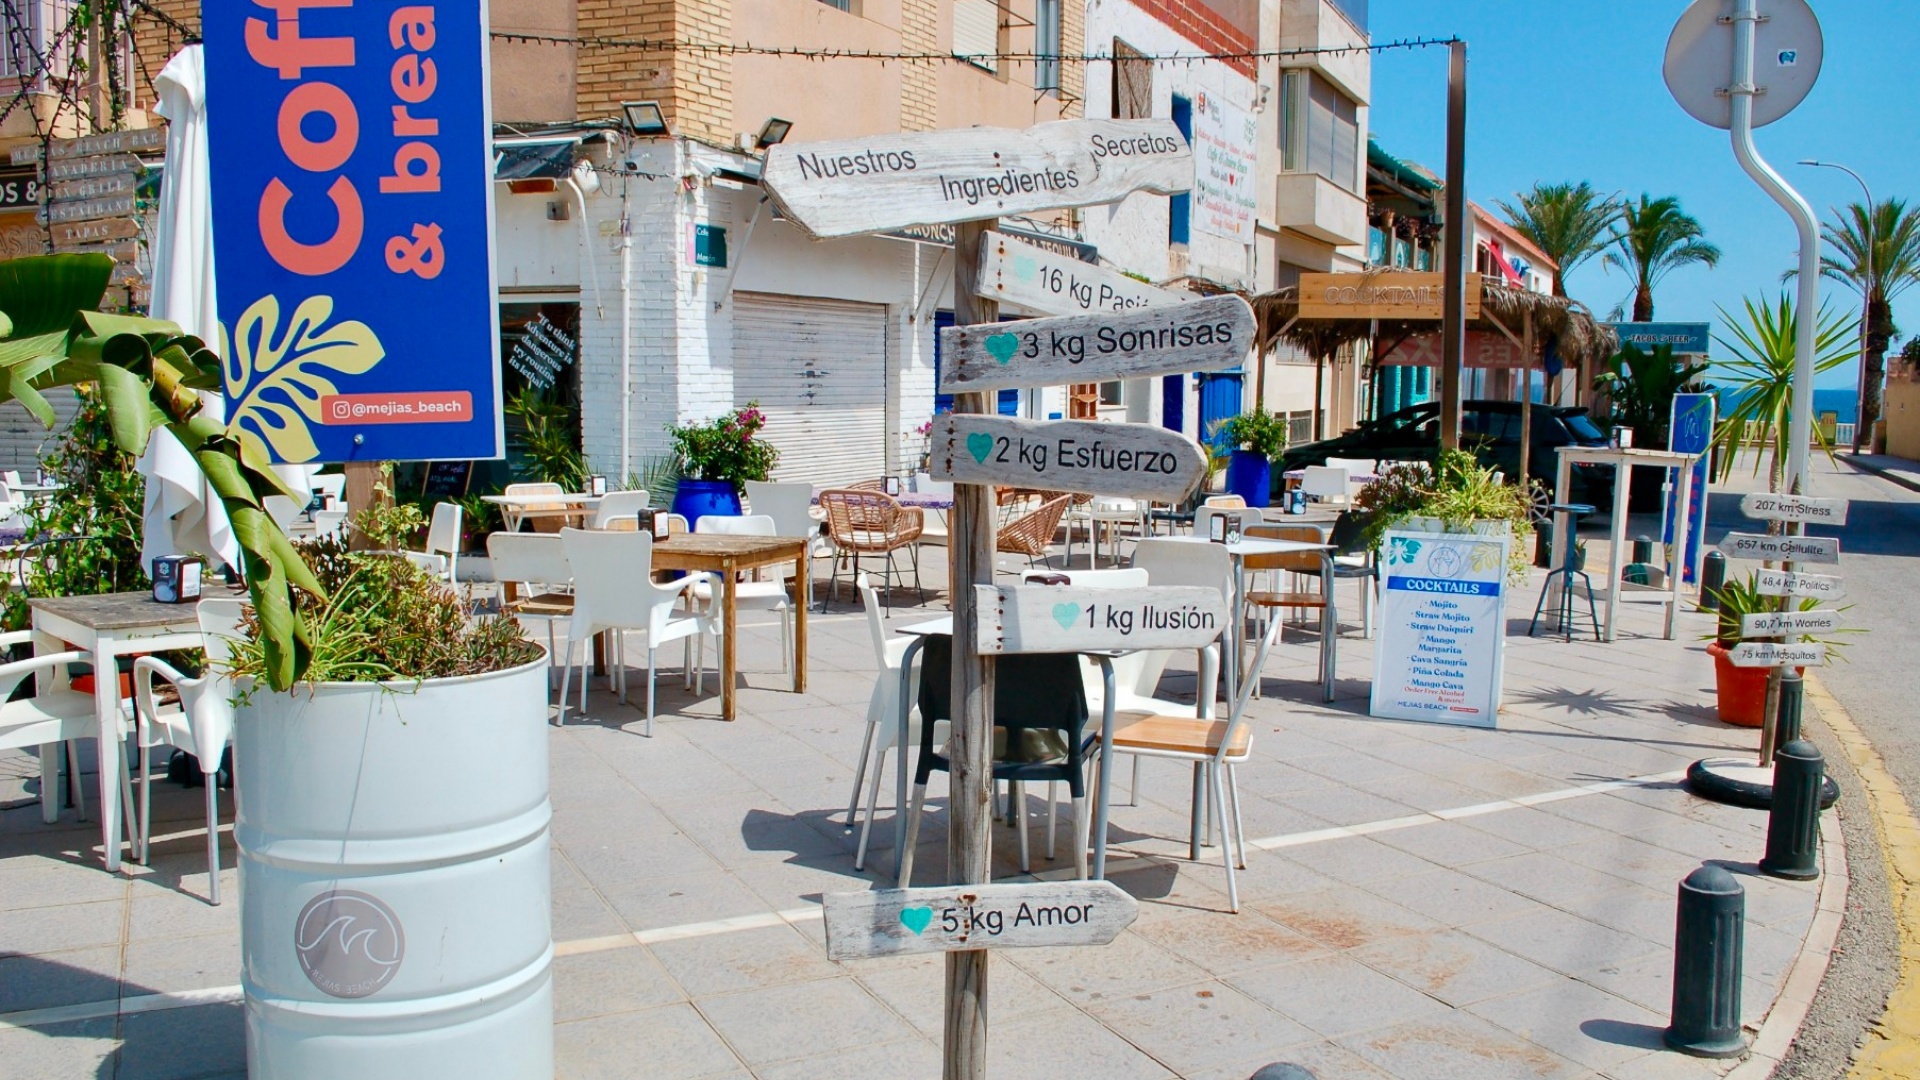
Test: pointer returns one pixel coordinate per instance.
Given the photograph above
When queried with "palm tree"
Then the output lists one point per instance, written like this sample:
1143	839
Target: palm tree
1654	238
1893	266
1570	223
1759	379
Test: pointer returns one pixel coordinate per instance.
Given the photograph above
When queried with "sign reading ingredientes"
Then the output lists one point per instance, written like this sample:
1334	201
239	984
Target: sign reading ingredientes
353	219
1052	618
1195	336
1017	272
1224	137
1442	628
896	922
882	182
1136	460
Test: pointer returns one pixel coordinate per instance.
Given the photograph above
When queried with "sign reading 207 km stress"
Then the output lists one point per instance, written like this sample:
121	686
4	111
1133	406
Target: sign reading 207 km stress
352	170
881	182
1195	336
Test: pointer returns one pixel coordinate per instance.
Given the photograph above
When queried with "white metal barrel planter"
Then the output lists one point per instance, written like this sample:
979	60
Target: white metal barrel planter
395	897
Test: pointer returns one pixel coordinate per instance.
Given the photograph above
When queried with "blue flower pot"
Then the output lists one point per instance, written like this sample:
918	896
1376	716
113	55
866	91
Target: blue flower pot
695	498
1250	476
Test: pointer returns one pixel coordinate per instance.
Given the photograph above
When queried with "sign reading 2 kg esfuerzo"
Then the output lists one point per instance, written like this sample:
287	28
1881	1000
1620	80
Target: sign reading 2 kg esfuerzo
1136	460
353	221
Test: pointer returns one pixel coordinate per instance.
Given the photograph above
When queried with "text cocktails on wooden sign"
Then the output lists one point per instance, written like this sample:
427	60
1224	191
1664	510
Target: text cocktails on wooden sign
1137	460
897	922
353	224
1199	335
1053	618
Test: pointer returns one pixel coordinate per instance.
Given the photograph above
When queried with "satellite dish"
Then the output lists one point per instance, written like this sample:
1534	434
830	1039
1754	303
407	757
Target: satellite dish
1787	51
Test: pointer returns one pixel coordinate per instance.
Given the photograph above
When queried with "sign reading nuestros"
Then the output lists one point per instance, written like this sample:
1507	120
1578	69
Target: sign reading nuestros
852	186
1137	460
1194	336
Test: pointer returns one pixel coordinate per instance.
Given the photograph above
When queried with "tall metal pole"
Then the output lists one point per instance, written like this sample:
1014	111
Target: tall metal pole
970	747
1453	321
1860	424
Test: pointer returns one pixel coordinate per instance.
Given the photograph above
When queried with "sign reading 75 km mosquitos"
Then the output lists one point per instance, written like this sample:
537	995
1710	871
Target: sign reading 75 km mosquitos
882	182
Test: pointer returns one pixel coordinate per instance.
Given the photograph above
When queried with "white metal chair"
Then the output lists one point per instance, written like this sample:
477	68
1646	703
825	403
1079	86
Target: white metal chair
533	568
442	552
883	716
747	595
613	590
56	714
619	504
201	724
1324	483
1111	511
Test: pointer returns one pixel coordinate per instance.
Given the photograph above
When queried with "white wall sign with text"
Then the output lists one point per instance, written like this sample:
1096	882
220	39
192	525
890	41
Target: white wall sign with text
897	922
1079	618
1013	271
1224	147
1199	335
1142	461
1442	628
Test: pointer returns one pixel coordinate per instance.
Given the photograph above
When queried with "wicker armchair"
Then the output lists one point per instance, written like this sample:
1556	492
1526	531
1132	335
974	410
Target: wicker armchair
865	522
1031	533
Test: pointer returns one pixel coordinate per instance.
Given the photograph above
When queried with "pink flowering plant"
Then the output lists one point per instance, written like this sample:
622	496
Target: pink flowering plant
724	448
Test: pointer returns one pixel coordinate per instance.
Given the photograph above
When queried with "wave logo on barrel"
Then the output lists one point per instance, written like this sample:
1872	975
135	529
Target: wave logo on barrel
350	944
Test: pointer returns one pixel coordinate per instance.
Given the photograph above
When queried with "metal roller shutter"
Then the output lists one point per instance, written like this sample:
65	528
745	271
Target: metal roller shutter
818	368
23	439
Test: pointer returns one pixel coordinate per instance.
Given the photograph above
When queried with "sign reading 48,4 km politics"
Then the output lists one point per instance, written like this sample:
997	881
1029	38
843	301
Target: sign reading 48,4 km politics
352	208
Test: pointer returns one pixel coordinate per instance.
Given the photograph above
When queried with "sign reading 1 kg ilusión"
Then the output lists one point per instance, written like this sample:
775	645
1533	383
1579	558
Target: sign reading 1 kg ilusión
1141	461
1806	549
882	182
1194	336
1053	618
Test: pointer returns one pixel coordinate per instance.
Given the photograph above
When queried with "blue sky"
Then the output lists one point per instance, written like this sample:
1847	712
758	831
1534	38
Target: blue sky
1571	90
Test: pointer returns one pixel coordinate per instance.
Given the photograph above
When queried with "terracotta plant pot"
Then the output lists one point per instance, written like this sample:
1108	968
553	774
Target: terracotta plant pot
1741	692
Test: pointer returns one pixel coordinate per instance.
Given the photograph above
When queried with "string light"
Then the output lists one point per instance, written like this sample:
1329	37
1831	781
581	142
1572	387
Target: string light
712	48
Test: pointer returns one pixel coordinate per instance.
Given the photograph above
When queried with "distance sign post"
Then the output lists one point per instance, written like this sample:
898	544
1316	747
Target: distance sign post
1198	335
901	922
1137	460
1013	271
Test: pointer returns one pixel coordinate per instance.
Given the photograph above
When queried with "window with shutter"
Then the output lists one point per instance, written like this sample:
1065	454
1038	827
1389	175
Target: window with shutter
1132	83
976	32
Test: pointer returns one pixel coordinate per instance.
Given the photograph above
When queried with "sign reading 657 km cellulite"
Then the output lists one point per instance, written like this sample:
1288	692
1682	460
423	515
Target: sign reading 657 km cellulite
352	176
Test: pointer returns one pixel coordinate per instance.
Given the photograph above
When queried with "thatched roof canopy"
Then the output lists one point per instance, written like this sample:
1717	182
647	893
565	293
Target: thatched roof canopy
1577	335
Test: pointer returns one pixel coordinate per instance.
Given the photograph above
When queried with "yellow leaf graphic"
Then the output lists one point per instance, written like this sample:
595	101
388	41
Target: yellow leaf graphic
1484	557
276	378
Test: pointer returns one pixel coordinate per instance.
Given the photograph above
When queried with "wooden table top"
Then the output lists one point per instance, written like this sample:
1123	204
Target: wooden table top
697	551
122	610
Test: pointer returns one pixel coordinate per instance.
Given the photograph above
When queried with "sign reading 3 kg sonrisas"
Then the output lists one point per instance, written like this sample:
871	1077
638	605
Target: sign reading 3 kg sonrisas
1194	336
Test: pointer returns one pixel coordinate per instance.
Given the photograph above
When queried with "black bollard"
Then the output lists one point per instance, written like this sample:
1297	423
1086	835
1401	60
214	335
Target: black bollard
1713	578
1793	821
1708	939
1282	1070
1786	719
1642	549
1543	544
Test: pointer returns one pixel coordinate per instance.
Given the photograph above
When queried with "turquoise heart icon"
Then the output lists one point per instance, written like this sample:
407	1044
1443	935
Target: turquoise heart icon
1002	346
1066	615
1025	268
916	919
980	444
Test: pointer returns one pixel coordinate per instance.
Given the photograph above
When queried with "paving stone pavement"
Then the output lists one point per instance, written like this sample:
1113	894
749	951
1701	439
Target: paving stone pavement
1528	938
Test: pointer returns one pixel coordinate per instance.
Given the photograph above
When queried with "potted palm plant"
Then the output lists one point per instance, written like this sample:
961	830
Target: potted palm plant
716	458
1257	439
391	755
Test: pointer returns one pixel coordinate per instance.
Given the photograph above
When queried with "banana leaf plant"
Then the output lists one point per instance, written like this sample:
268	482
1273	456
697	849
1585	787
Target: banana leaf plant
149	374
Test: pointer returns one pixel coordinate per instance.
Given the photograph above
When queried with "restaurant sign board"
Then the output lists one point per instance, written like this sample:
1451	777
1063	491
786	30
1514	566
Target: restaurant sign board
1442	628
353	220
1388	294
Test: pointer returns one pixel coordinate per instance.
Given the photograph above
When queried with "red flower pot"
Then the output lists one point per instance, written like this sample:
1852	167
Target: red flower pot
1741	692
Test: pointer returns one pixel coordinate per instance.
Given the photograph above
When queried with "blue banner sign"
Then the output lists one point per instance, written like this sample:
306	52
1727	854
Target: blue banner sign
352	212
1691	432
1685	337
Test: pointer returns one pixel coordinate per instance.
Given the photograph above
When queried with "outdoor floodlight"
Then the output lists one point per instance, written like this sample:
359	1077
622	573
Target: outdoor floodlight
773	132
645	118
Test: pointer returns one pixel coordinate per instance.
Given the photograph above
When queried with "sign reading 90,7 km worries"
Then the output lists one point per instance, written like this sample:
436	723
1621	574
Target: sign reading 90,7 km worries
1198	335
881	182
1136	460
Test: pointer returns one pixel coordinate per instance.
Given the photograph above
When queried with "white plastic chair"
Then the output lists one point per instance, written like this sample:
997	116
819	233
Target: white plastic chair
1202	519
619	504
791	508
747	595
202	724
56	714
333	484
282	510
883	716
535	564
613	590
1325	484
442	553
330	524
11	477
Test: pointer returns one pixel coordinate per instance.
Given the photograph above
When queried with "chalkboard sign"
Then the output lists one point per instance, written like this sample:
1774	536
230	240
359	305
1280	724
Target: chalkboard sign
447	479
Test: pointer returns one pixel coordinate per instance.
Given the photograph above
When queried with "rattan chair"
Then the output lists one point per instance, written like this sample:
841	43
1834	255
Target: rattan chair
862	522
1032	533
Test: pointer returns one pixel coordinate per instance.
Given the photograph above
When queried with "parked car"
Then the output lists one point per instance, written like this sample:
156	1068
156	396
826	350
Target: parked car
1490	429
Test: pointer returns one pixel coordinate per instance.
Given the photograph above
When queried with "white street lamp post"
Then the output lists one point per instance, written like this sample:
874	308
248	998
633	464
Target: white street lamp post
1866	307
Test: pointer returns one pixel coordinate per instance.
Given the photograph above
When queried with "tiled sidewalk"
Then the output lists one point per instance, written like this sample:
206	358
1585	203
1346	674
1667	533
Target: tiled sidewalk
1385	933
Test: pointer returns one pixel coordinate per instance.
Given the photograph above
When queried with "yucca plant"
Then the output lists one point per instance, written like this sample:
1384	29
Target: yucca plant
1761	375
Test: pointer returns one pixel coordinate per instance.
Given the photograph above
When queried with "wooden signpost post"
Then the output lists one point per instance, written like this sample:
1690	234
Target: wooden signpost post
1053	618
1806	549
1788	583
1775	654
1196	336
1013	271
900	922
1137	460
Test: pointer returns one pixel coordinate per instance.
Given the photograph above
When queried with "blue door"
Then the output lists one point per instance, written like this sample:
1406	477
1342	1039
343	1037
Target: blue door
1219	400
1007	404
1173	402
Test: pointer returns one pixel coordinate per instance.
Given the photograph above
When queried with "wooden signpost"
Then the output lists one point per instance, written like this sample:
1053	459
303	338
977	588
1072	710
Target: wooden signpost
1783	623
1794	508
1789	583
899	922
1138	460
1052	618
1013	271
1806	549
1196	336
1774	654
882	182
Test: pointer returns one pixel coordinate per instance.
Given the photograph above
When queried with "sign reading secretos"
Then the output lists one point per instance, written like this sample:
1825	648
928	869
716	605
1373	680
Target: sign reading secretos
1194	336
1078	618
896	922
1016	272
353	223
1137	460
882	182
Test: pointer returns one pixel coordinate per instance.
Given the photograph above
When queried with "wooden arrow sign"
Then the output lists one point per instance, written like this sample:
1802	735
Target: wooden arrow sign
1138	460
1806	549
897	922
1785	583
1794	508
1077	618
882	182
1013	271
1771	654
1783	623
1195	336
